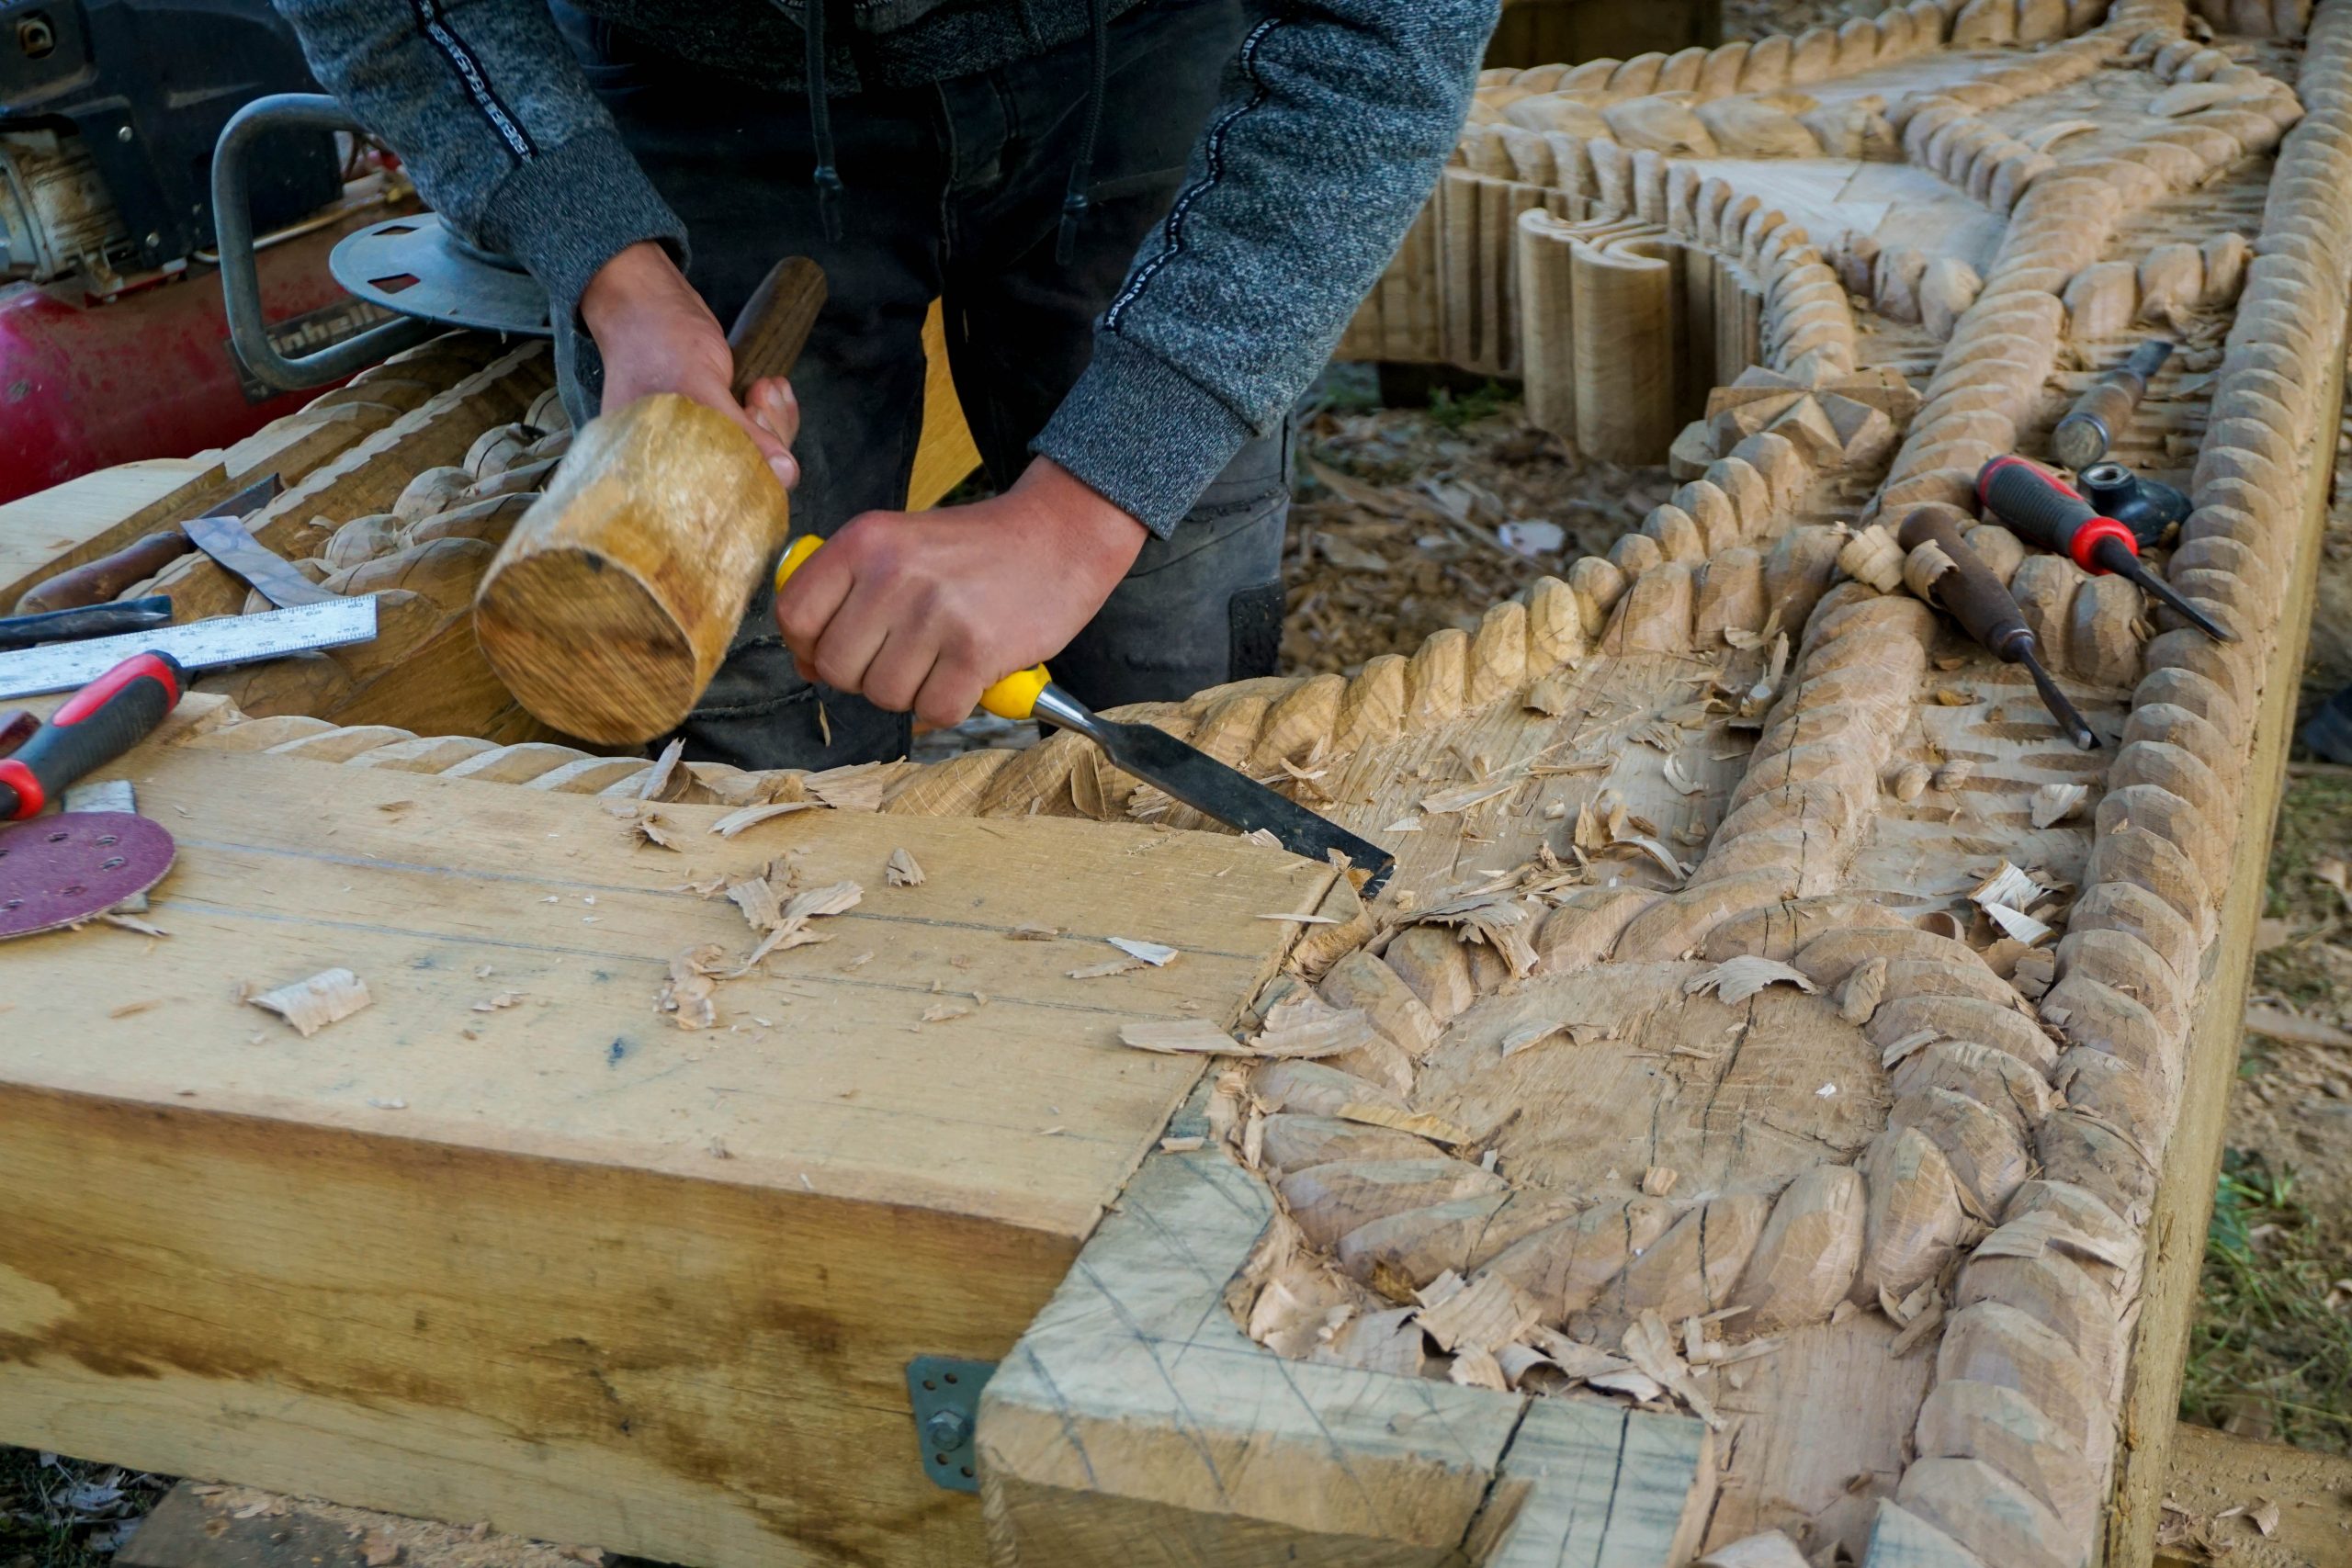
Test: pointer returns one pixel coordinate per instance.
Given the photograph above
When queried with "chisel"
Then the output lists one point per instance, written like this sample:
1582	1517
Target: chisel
91	620
2043	512
1971	595
2106	406
1187	773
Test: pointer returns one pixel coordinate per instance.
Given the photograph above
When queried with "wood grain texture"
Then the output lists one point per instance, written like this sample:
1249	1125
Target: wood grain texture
1135	1423
558	1264
96	514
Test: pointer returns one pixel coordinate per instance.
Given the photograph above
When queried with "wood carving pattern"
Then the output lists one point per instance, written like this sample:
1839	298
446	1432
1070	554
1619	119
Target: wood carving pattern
1923	1160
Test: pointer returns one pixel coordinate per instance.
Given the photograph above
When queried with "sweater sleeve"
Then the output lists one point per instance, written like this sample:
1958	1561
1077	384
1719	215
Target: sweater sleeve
489	110
1334	126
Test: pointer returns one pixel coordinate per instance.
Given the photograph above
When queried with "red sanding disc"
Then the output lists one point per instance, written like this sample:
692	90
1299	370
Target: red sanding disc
57	870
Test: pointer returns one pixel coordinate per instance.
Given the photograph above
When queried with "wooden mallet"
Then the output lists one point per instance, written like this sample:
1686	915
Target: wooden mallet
610	606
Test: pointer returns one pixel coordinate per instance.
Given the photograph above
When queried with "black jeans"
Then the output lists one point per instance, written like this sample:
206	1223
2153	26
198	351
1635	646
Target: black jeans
955	191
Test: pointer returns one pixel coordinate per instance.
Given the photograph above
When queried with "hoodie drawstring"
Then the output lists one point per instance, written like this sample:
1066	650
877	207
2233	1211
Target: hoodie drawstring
1081	173
827	178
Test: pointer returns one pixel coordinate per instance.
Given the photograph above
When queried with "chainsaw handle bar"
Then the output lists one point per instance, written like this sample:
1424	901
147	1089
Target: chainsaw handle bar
241	274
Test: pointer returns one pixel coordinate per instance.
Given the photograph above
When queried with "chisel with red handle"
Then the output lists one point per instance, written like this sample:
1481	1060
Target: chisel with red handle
97	724
2043	512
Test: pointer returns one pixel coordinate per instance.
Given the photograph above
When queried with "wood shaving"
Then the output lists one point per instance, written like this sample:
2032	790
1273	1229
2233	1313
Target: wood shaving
756	897
1420	1124
1304	1026
1679	781
1106	969
1953	774
1859	998
857	788
131	923
2053	803
1029	932
2266	1518
1157	954
903	869
328	996
1641	1386
1659	1180
1736	979
1262	836
940	1012
1475	1367
1467	795
735	822
1552	695
1919	1039
1651	1349
1180	1037
1183	1145
651	829
662	778
1484	1314
1910	781
500	1002
685	996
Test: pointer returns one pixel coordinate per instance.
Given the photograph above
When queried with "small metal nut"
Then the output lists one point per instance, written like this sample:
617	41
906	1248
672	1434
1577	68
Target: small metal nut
948	1429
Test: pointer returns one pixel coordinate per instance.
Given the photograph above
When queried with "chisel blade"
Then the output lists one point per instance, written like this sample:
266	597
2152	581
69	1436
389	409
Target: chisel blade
1207	786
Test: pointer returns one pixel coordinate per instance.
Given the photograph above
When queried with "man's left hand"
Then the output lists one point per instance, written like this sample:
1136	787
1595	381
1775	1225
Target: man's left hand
924	610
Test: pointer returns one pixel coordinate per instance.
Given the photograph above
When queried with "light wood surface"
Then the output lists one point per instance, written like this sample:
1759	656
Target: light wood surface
1135	1422
2212	1474
560	1264
2185	1192
96	514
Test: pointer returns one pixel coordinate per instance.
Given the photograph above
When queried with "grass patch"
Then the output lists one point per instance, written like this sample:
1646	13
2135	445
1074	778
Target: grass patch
63	1513
2273	1338
1480	403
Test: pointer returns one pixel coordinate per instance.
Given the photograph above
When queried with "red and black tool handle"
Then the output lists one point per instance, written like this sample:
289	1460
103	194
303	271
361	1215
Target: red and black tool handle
2043	511
97	724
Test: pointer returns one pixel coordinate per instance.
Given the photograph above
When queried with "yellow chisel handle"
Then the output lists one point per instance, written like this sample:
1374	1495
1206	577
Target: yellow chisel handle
1016	696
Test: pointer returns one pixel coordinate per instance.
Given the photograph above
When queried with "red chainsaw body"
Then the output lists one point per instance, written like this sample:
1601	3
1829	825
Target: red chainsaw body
87	381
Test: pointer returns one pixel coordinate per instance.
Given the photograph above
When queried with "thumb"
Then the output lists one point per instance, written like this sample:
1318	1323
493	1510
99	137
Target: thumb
776	414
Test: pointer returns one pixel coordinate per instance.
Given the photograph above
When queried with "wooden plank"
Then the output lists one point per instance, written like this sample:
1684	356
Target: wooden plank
98	514
2184	1203
1136	1423
2213	1473
202	1525
559	1265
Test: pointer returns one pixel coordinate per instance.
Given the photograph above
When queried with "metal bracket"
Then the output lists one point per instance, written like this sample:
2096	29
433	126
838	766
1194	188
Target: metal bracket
947	1395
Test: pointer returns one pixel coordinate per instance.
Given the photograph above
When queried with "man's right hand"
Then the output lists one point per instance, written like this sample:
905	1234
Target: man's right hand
657	335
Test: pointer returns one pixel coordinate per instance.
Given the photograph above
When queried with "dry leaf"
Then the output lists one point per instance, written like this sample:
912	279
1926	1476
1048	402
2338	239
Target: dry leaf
903	869
328	996
1736	979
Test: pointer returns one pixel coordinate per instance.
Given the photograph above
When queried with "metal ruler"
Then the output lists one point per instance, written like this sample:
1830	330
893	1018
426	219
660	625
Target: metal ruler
198	645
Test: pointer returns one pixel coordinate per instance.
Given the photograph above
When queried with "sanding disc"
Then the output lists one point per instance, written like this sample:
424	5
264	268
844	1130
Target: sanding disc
57	870
417	267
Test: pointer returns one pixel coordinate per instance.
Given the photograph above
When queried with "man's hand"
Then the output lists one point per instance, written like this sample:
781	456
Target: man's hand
657	335
924	610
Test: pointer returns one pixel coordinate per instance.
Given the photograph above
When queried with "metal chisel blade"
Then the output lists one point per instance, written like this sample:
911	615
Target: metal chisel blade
1200	781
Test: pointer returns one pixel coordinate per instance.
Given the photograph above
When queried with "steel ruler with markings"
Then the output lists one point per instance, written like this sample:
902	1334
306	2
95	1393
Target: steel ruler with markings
198	645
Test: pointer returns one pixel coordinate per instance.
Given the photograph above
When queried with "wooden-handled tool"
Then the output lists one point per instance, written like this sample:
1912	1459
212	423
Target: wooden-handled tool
2106	406
1971	594
610	606
95	582
1188	774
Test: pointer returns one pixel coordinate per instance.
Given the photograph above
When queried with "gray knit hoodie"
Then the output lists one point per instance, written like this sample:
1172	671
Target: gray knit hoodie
1336	118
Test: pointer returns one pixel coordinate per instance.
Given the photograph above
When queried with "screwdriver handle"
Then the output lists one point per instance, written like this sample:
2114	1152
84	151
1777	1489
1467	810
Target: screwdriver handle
97	724
773	326
2043	511
1014	696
